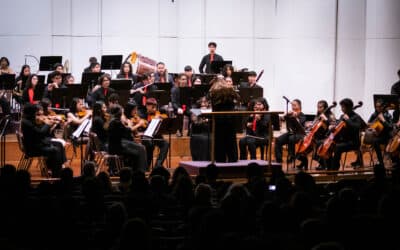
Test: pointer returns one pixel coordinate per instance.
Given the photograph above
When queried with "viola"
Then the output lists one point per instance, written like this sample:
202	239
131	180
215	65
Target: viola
304	146
156	115
325	150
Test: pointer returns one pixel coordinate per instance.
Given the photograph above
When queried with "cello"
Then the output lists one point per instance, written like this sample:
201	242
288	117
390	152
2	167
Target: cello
304	146
394	142
325	150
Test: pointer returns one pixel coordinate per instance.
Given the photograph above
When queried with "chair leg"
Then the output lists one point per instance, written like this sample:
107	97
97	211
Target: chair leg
344	161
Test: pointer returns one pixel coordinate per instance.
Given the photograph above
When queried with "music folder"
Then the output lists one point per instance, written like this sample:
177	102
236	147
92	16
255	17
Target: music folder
153	127
7	81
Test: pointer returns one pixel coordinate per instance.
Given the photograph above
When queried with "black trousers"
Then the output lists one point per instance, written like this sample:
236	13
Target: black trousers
150	144
251	144
289	139
225	140
199	147
341	147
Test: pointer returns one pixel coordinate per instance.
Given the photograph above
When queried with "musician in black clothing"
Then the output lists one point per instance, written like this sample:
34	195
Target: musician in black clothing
126	72
120	142
104	92
55	83
292	136
395	90
349	138
200	133
256	131
31	93
100	122
36	132
20	83
139	93
251	81
161	75
209	58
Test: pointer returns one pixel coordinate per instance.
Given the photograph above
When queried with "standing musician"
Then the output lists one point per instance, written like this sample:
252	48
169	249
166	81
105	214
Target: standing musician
157	140
100	123
323	119
349	137
209	58
256	131
120	142
36	129
31	92
292	136
104	92
126	72
161	74
139	93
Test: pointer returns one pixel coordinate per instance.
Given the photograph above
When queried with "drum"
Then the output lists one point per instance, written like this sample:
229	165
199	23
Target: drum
141	64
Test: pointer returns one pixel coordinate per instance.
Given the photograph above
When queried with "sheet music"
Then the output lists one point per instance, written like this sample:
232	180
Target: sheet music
152	127
84	127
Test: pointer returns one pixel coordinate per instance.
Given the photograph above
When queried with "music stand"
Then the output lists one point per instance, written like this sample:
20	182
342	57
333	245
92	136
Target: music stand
205	78
122	87
169	126
247	94
7	81
217	66
64	96
293	126
390	101
47	62
238	77
111	62
163	97
91	78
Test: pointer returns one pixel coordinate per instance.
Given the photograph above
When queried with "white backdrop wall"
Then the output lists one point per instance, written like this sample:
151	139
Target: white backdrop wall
309	49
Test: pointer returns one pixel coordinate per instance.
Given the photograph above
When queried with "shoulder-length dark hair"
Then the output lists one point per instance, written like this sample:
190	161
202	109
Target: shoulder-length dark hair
29	81
97	109
225	69
128	109
121	71
104	76
73	108
21	74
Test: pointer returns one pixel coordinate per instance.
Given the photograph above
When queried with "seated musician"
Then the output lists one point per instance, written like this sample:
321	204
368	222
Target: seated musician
20	83
104	91
292	136
31	92
77	115
176	101
100	123
188	71
251	81
157	140
326	116
200	131
132	119
113	99
120	142
383	118
36	130
349	138
5	66
55	83
256	131
126	72
161	74
139	93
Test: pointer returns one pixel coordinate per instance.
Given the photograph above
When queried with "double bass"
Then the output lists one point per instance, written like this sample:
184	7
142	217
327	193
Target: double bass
325	150
304	146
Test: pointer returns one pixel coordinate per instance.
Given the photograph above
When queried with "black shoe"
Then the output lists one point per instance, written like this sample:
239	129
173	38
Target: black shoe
320	167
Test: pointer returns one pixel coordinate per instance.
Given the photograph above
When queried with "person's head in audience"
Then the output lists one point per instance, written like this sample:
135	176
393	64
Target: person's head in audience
89	169
162	171
179	171
115	217
305	182
254	170
212	173
105	182
135	233
125	179
22	182
202	195
7	177
158	184
95	67
139	182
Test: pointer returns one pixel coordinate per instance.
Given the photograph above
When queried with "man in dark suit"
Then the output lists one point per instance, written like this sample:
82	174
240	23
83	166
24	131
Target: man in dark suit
104	92
251	81
209	58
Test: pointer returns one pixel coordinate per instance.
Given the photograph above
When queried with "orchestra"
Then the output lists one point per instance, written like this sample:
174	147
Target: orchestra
121	130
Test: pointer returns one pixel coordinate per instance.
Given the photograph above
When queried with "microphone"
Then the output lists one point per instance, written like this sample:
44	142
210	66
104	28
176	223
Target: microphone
287	99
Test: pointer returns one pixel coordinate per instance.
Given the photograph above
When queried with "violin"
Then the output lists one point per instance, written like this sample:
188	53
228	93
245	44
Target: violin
325	150
156	115
82	113
304	146
136	119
